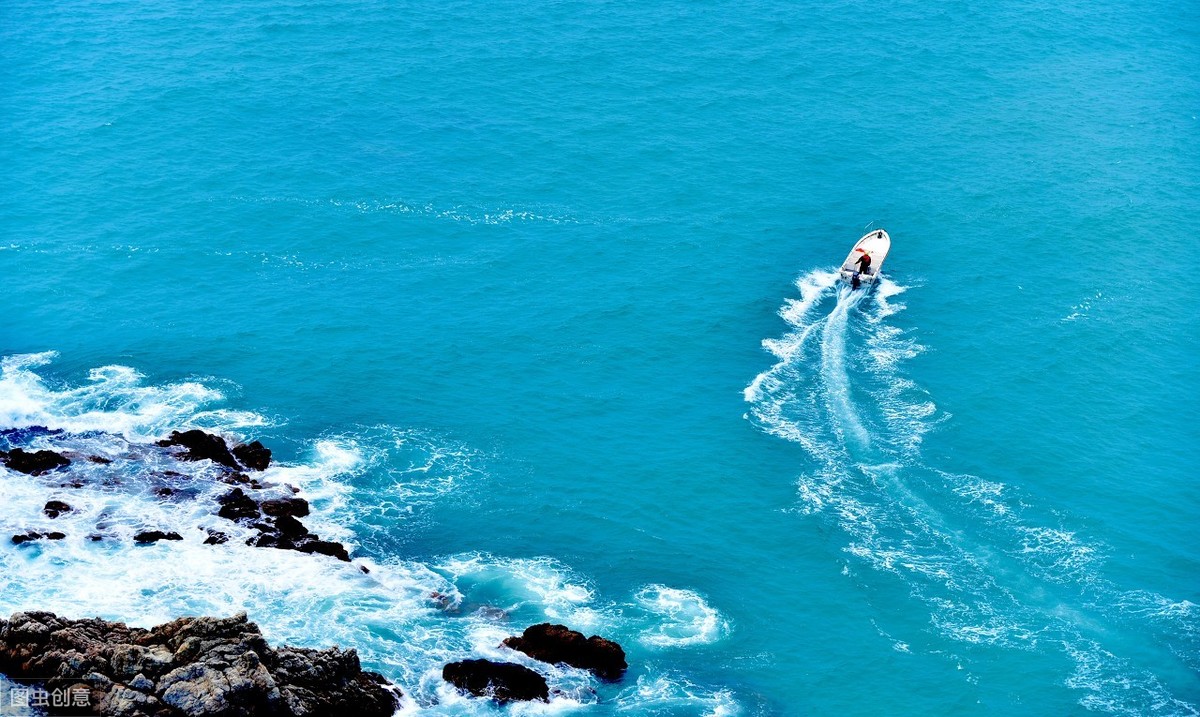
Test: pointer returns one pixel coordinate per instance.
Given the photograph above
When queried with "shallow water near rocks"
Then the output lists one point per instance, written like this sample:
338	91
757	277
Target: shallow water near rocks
536	306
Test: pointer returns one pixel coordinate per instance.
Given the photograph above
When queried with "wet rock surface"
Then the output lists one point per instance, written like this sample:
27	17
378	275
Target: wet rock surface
201	446
32	535
254	456
503	681
193	667
55	508
33	462
252	503
559	644
153	536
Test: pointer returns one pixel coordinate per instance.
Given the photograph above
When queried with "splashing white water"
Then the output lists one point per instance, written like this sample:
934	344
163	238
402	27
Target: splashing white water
406	618
837	390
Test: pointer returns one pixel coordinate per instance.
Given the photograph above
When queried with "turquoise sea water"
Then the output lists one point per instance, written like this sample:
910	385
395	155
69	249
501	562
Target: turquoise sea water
535	301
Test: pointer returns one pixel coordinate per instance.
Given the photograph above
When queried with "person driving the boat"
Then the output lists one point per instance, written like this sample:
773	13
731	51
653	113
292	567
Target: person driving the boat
864	262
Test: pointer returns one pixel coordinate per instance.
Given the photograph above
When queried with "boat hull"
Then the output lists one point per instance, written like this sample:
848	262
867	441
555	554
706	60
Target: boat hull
877	244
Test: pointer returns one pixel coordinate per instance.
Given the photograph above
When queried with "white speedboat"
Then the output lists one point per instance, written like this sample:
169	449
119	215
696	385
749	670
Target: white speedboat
876	246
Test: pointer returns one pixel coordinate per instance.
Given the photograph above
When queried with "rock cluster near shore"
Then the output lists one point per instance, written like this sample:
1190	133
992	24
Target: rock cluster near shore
276	520
210	667
191	667
545	642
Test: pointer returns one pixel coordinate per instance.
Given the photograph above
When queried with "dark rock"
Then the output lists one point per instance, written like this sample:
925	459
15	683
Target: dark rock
55	508
236	505
164	492
297	507
216	537
236	479
95	537
325	547
557	643
290	529
504	681
365	569
289	534
100	459
32	535
35	463
153	536
254	456
201	446
191	666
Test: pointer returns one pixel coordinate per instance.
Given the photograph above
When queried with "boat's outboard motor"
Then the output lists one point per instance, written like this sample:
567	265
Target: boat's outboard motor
854	282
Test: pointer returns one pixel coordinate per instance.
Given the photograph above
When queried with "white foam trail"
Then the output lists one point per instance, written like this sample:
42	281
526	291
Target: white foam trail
670	694
838	391
686	619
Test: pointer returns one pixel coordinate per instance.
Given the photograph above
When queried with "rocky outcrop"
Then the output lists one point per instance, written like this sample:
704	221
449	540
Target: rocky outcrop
191	667
254	456
503	681
34	463
287	533
279	528
201	446
205	446
236	505
31	535
153	536
557	643
275	519
55	508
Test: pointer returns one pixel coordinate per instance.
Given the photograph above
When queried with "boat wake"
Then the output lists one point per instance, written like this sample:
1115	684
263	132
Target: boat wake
989	573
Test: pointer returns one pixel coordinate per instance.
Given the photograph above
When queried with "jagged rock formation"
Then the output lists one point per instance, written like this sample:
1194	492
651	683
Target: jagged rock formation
279	528
557	643
201	446
254	456
55	508
191	667
504	681
34	463
276	520
33	535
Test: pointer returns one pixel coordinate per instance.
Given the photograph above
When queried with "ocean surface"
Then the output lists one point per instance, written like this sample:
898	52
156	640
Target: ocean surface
536	302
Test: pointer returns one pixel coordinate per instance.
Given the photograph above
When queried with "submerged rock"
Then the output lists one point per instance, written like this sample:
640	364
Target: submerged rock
191	666
557	643
33	463
504	681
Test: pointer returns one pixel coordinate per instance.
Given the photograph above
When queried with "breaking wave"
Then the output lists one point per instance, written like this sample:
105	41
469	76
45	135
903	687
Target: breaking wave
406	618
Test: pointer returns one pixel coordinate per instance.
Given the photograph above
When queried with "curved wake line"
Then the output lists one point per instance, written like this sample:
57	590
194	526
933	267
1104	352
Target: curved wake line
836	390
